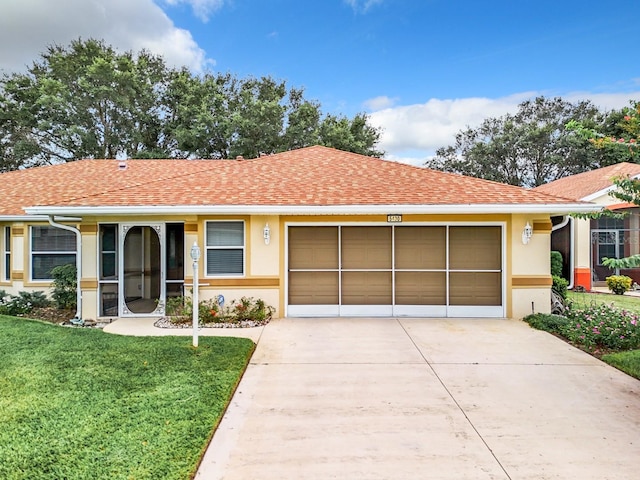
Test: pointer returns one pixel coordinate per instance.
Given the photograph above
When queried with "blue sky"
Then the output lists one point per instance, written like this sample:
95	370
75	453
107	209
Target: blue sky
423	69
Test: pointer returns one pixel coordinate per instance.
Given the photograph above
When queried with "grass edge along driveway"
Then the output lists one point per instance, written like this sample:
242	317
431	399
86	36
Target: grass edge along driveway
83	404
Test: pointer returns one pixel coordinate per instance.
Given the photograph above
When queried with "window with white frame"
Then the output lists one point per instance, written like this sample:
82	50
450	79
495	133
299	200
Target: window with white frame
225	248
6	274
50	247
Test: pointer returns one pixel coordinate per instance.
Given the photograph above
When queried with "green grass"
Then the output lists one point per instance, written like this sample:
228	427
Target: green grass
83	404
628	362
583	299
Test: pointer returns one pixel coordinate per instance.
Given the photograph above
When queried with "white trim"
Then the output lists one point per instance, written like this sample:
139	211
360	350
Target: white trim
123	230
222	247
77	253
496	208
434	311
475	311
366	310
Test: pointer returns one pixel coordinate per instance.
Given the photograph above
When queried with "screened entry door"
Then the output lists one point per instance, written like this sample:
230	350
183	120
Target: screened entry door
436	271
140	266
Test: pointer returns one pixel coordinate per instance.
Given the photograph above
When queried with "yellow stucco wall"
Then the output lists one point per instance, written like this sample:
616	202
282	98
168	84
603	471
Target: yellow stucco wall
527	267
530	280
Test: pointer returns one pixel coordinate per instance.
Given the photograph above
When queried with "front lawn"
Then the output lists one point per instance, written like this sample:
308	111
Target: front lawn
607	326
78	403
628	362
583	299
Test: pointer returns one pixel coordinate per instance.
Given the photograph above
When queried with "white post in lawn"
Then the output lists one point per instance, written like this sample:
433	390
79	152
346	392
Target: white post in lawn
195	256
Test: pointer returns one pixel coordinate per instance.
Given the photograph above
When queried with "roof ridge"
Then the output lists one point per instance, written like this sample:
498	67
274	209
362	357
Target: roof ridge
138	184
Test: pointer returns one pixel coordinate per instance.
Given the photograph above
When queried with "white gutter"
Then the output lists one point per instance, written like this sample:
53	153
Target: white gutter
558	209
568	219
78	262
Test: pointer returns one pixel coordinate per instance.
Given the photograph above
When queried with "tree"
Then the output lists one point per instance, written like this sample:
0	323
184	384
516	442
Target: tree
627	127
83	101
528	148
355	135
619	135
89	101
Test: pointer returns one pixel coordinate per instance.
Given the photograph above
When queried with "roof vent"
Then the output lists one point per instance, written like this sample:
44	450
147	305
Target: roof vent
239	158
122	165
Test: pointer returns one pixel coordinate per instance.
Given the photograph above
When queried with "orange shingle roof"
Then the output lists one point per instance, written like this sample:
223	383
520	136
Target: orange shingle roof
313	176
577	187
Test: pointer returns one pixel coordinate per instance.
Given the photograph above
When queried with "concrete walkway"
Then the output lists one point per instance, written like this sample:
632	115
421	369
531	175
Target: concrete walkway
425	399
144	327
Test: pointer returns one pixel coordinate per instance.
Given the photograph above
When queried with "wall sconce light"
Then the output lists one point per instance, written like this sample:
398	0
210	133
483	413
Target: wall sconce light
526	233
266	234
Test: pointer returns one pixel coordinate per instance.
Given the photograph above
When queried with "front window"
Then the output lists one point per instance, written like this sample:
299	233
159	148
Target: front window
225	248
50	247
7	253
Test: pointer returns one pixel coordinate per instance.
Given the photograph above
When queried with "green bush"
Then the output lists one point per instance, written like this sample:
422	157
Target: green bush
619	284
179	309
22	303
547	322
556	263
560	286
65	286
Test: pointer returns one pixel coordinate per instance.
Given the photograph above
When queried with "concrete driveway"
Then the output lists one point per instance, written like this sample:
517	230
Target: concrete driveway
425	399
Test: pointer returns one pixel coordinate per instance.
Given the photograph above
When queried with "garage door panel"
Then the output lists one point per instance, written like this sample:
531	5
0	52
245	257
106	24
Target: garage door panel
475	288
475	248
366	288
366	247
313	288
420	248
421	288
313	248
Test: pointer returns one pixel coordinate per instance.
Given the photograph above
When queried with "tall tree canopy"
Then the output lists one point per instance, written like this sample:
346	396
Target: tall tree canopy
530	147
619	135
86	100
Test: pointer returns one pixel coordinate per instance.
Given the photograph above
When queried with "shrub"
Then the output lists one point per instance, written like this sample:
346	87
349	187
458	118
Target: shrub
209	311
556	263
560	286
179	309
603	326
64	286
22	303
619	284
547	322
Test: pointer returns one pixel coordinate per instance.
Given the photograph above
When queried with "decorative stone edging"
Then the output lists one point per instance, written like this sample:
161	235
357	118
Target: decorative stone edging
165	322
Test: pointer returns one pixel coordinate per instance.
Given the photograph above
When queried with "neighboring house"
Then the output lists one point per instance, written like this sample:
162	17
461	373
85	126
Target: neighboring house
584	243
313	232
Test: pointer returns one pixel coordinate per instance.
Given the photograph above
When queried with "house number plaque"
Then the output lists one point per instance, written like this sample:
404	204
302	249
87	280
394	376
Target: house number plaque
394	218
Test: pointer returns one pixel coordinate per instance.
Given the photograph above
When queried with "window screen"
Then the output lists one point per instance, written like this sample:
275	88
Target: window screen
50	247
225	248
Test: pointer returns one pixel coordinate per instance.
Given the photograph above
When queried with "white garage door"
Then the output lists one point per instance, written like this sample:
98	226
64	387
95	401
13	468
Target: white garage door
438	271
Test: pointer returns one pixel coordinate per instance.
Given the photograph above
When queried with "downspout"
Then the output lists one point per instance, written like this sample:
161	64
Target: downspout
562	224
78	317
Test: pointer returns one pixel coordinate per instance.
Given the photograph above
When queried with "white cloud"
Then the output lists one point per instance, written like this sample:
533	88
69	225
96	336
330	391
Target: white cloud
362	5
201	8
412	133
28	26
379	103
